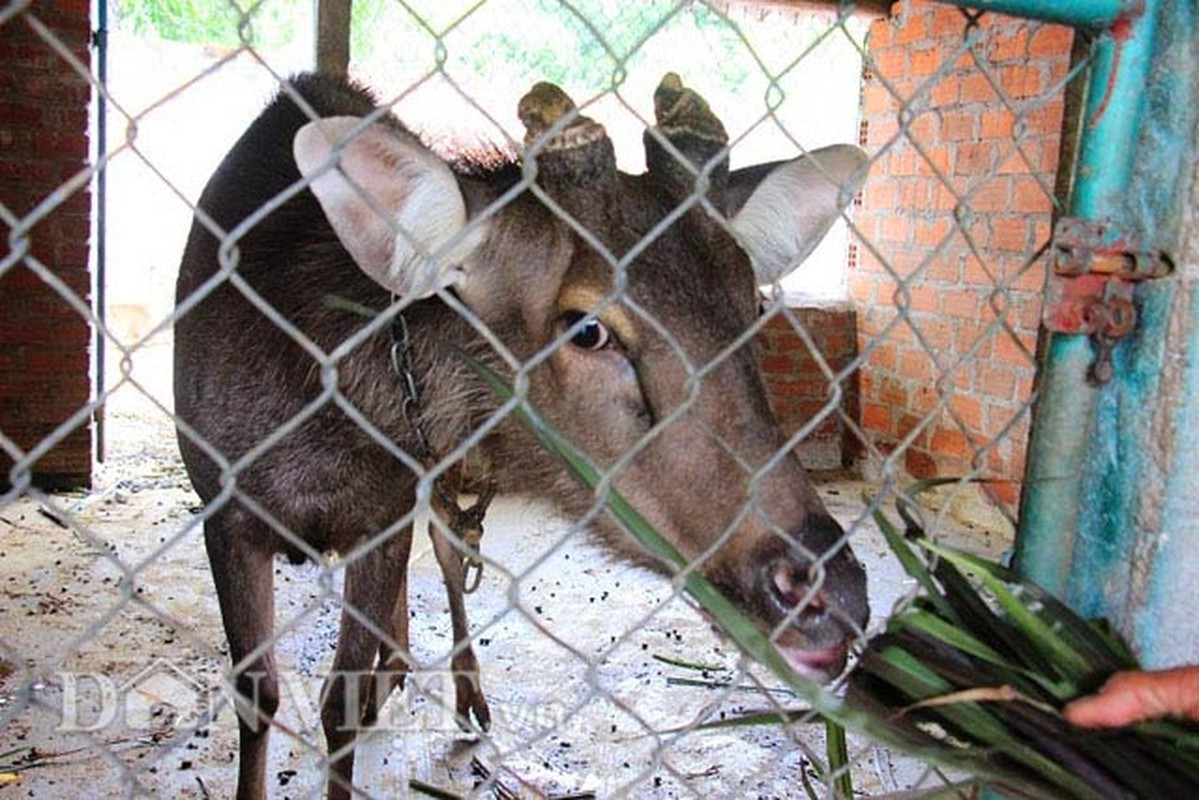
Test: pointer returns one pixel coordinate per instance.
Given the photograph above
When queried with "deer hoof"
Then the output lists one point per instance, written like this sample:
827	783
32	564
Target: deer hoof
471	704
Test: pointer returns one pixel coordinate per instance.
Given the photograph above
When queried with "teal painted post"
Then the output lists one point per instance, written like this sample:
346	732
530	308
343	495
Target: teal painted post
1088	14
1064	427
1064	417
1163	620
1062	432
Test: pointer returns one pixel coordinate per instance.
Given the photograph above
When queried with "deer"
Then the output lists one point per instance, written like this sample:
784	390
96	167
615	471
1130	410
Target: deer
342	283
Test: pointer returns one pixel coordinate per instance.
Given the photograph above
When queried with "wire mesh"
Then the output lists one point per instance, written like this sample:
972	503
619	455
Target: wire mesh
602	678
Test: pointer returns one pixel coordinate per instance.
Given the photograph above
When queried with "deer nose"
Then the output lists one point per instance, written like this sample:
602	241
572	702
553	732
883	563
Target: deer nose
817	587
796	592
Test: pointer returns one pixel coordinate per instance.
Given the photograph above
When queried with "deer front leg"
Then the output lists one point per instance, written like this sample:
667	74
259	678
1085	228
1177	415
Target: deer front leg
394	656
468	689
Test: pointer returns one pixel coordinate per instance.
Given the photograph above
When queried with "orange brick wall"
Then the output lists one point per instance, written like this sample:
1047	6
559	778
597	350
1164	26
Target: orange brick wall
966	143
44	343
800	388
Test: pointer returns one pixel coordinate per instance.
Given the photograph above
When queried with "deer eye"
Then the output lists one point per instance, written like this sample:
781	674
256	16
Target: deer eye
589	333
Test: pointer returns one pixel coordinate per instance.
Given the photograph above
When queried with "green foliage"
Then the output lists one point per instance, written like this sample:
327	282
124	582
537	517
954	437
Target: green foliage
224	23
588	44
585	46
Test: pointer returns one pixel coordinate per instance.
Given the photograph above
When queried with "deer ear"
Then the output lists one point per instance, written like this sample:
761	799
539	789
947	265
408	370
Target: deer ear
394	205
793	205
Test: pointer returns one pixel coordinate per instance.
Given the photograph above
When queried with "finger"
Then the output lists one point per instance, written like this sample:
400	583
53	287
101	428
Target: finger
1120	702
1131	697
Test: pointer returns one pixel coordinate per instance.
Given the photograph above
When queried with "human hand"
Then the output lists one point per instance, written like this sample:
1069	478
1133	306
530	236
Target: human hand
1136	696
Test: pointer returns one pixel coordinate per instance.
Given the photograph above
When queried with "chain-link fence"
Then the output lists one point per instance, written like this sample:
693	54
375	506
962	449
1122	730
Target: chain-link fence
344	295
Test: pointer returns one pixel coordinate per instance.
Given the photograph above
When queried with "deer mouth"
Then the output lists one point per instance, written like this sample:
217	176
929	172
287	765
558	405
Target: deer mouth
820	665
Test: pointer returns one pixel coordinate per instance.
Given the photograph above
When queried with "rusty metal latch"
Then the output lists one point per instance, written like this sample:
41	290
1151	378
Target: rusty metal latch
1095	266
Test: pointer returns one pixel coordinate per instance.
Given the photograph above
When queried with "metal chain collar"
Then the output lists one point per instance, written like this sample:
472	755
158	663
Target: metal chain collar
466	523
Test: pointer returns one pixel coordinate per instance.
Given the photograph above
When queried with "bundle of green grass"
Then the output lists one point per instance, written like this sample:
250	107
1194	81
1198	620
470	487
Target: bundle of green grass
977	670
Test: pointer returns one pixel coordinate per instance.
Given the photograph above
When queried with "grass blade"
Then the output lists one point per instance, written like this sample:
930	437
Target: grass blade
1064	659
837	752
802	716
955	637
970	725
912	564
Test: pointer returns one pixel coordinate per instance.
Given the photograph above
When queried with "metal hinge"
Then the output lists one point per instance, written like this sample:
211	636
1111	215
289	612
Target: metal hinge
1095	266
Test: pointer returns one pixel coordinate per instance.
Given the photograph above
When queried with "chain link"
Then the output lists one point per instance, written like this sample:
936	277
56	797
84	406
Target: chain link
947	243
466	523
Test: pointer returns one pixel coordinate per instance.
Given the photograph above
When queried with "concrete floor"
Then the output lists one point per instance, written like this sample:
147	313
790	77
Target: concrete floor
111	652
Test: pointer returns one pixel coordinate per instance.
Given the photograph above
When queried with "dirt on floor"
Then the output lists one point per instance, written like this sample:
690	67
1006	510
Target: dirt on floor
602	679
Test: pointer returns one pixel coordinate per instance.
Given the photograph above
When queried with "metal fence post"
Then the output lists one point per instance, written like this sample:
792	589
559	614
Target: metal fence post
333	36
